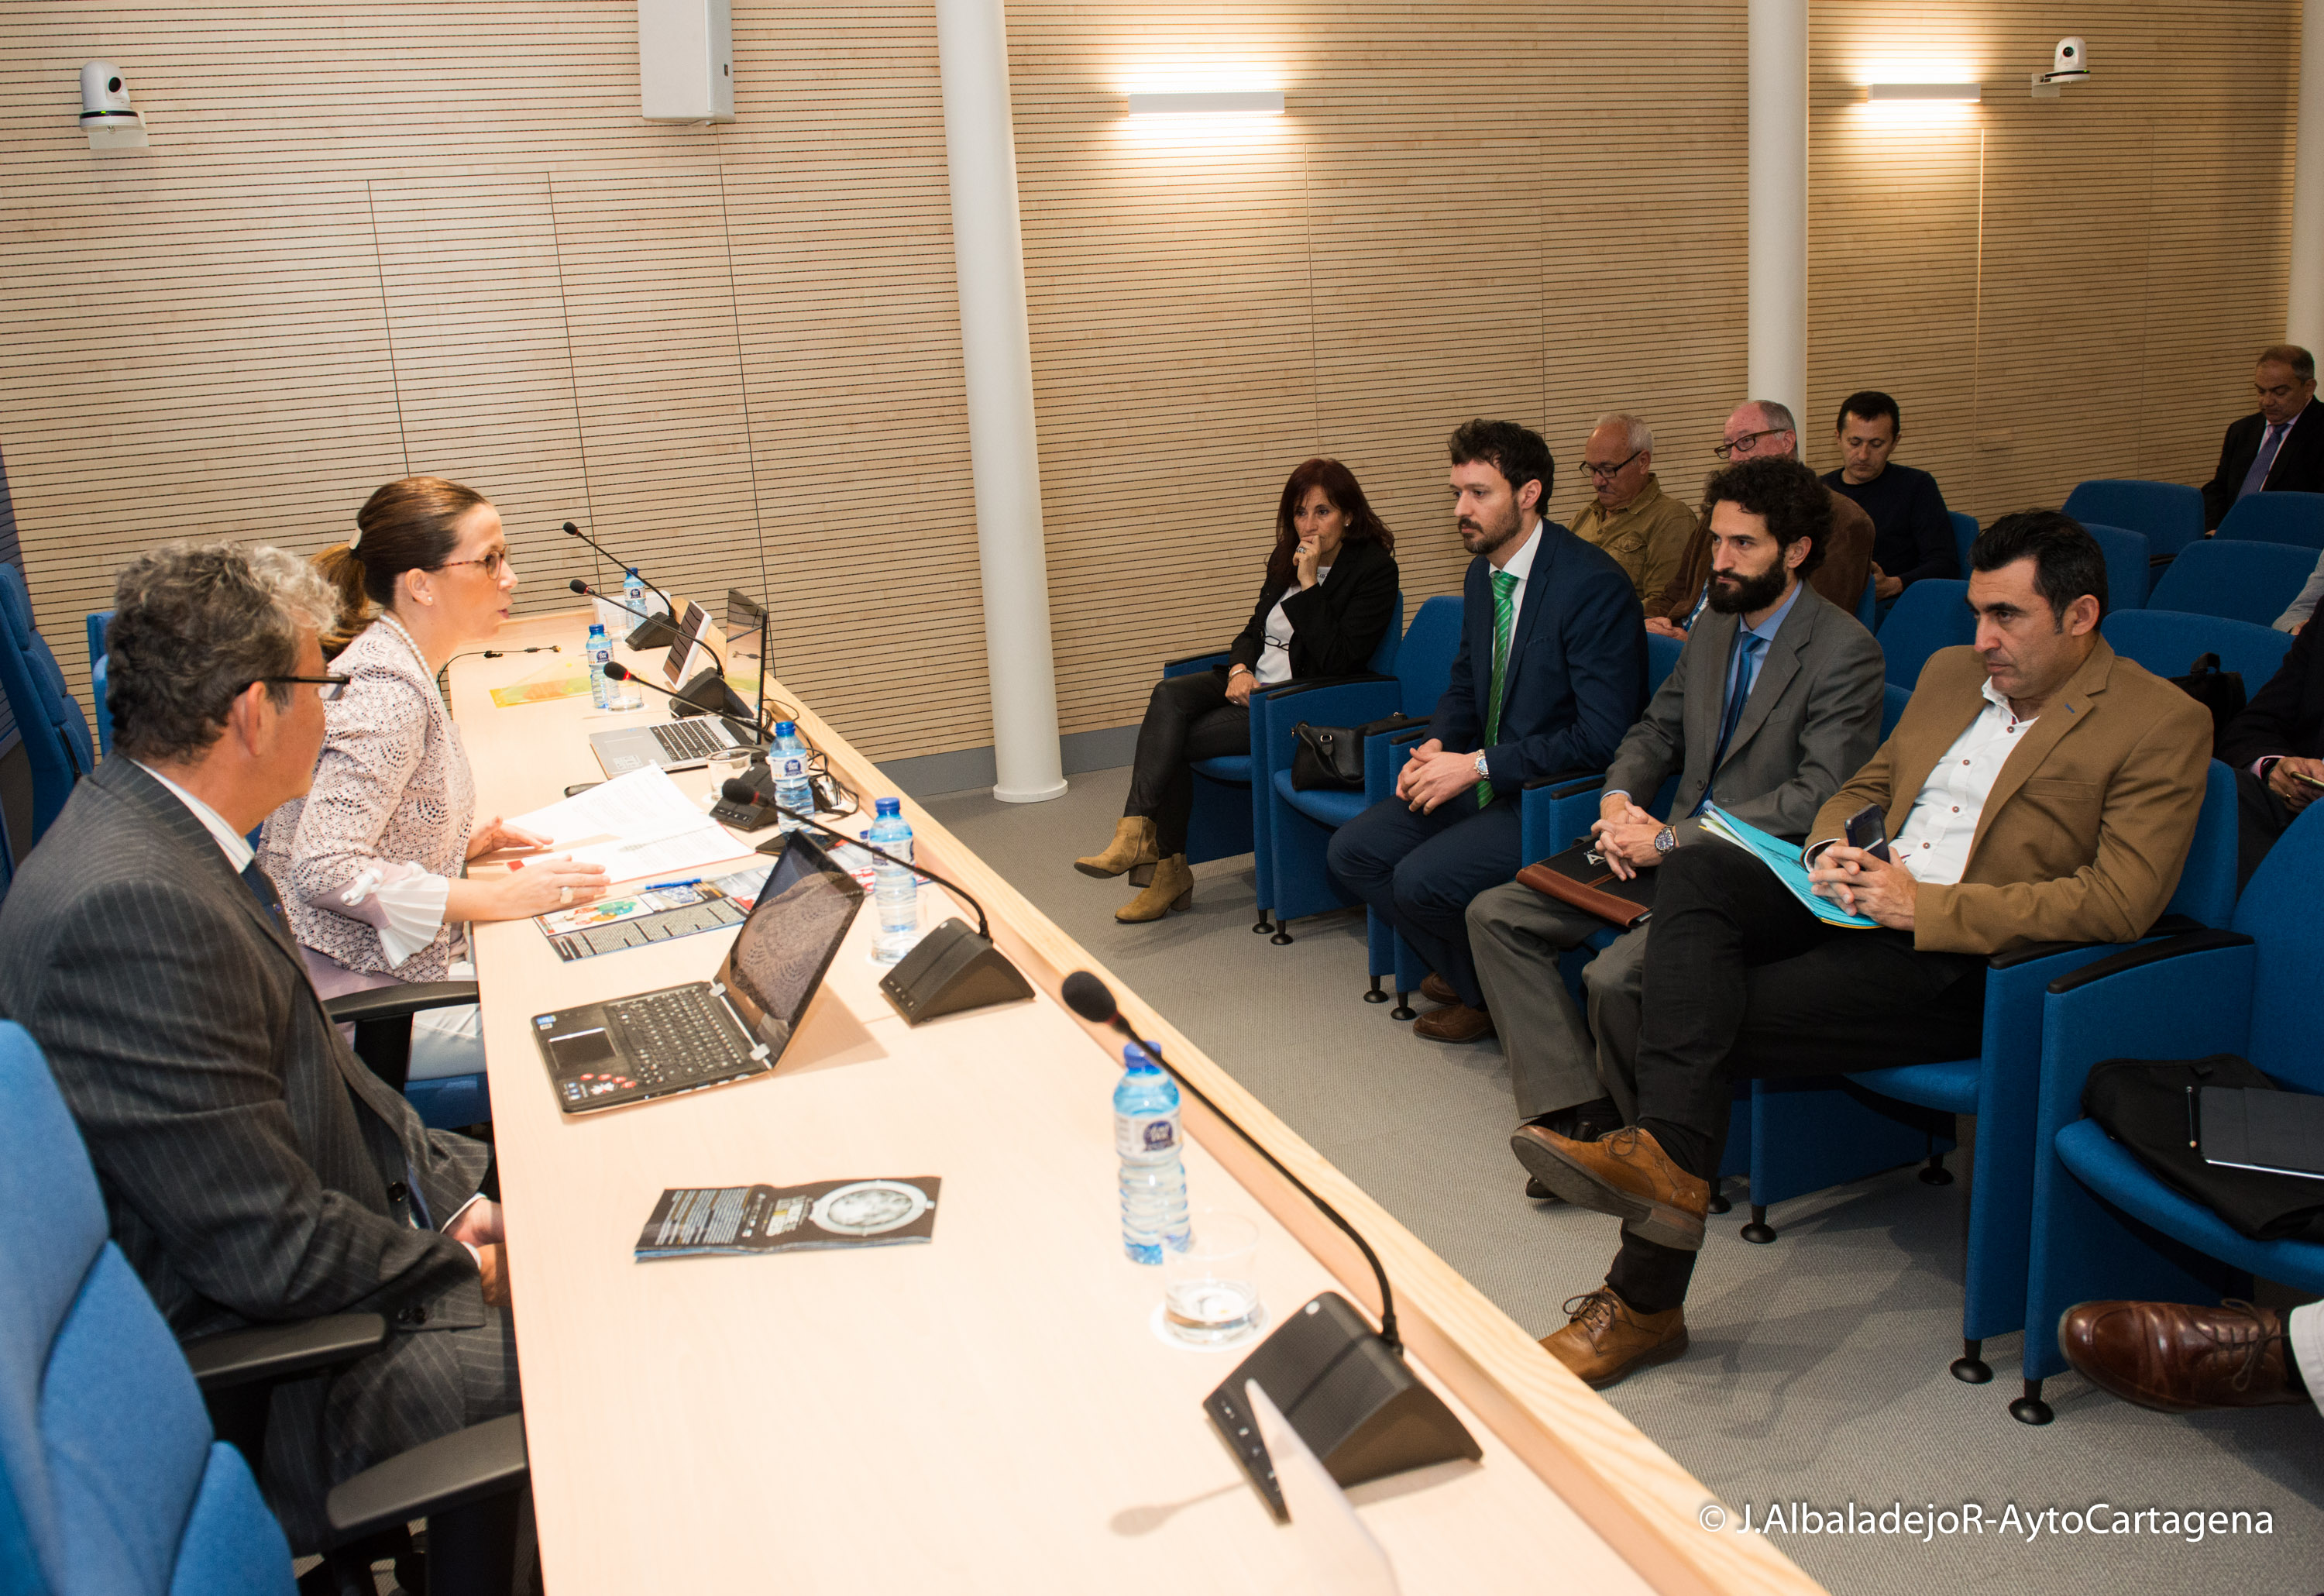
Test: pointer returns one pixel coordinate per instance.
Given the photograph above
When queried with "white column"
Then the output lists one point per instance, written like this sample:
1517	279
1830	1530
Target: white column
1778	302
997	353
2303	310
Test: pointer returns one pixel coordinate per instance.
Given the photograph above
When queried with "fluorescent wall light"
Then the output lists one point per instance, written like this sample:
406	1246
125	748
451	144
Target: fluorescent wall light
1167	104
1955	93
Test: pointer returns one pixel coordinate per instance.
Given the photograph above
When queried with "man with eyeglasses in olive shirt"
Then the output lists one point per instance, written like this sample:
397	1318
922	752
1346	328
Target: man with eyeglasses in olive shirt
1643	529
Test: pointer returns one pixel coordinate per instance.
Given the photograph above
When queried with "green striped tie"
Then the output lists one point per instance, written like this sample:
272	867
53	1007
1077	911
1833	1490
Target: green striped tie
1505	614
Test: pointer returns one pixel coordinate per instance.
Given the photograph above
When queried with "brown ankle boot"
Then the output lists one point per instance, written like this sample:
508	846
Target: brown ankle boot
1173	888
1607	1338
1132	845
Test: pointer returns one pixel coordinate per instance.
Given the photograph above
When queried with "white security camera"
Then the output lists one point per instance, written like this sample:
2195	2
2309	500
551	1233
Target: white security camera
104	95
2072	59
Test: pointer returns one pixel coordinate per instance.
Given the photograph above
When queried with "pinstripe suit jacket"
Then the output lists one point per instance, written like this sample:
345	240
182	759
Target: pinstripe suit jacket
254	1168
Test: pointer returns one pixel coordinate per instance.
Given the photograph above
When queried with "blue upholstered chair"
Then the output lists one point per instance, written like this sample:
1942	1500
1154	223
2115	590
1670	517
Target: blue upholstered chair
98	620
2127	565
2235	578
110	1477
57	742
1868	608
1816	1132
1964	538
1300	824
2168	643
2297	519
1933	614
2102	1226
1230	790
2168	514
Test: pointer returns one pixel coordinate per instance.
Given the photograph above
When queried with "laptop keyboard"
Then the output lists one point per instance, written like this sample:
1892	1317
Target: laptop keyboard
690	739
673	1037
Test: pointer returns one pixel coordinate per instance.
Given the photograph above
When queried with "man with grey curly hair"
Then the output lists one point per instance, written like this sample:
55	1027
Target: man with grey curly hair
255	1169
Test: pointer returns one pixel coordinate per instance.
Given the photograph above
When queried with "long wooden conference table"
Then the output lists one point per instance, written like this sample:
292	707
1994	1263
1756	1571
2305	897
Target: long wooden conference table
992	1411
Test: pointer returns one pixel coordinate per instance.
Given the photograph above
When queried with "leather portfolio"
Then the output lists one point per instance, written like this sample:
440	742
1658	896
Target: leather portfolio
1581	876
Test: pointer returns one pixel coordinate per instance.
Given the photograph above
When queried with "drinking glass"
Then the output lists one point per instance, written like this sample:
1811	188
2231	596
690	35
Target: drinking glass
1210	1291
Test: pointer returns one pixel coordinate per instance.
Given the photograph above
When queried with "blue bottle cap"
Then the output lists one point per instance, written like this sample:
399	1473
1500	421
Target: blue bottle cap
596	629
633	570
883	808
786	729
1135	1055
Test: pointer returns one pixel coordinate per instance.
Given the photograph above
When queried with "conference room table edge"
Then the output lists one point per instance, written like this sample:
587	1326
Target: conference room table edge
1650	1510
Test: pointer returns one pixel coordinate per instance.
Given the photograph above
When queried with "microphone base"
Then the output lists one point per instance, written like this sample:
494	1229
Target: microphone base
951	969
709	693
1355	1403
655	632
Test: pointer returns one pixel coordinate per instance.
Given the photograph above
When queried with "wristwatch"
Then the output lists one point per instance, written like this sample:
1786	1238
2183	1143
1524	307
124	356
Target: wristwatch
1482	773
1665	840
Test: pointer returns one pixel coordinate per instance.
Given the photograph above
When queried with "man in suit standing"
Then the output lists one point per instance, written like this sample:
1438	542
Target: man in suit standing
1774	701
254	1170
2273	747
2039	789
1551	668
2278	448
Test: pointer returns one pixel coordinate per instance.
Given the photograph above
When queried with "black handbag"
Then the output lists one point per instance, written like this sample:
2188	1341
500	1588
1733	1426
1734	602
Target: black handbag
2219	691
2143	1105
1333	756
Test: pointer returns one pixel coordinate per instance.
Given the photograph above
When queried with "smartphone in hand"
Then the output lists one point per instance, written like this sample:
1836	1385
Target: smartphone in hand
1868	829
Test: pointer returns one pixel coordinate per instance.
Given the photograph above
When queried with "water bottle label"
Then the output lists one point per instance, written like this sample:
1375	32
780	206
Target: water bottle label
788	766
1137	1136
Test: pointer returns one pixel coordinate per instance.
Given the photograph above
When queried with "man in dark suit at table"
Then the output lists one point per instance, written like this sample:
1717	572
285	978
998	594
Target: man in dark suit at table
2273	747
255	1169
2278	448
1774	701
2039	789
1551	671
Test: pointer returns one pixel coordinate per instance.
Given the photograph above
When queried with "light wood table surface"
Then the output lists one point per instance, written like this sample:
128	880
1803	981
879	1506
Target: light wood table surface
992	1411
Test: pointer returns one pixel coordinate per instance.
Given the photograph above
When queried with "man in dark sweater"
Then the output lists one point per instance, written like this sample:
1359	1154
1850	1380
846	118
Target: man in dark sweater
1912	534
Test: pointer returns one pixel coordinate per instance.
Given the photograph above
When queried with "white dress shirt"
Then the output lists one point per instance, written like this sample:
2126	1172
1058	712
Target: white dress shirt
1274	654
1520	566
1935	840
235	845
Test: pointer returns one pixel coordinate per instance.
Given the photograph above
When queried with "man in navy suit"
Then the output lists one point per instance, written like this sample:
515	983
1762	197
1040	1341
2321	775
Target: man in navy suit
2278	448
1551	671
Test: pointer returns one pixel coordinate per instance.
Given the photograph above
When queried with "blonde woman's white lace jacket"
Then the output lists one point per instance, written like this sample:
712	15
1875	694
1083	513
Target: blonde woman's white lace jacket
364	861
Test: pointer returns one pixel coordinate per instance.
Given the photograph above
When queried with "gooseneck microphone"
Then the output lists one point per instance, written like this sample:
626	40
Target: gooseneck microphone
736	791
707	693
585	591
1093	1000
573	531
1349	1392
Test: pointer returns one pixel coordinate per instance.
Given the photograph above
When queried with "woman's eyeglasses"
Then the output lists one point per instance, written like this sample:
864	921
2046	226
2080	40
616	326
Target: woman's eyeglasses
492	562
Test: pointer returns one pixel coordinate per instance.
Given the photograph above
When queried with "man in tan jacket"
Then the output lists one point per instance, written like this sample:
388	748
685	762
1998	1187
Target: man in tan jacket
1645	530
2040	788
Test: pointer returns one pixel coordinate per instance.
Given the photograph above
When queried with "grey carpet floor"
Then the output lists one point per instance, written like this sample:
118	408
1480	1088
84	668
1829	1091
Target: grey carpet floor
1817	1373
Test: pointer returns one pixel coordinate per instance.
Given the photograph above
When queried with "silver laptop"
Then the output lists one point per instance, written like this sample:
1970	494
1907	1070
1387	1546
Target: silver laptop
678	744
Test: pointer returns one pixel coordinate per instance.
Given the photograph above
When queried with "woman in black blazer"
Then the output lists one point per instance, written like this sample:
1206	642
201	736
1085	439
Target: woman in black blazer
1329	597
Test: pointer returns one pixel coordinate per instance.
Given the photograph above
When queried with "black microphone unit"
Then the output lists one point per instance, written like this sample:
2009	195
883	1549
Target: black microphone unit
659	631
950	969
1346	1390
708	693
652	631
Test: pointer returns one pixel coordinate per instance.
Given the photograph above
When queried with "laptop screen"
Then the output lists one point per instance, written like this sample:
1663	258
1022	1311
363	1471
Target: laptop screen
680	662
780	955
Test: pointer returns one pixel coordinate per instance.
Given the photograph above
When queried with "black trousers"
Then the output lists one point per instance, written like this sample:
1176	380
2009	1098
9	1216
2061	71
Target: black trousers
2261	817
1419	872
1188	718
1742	980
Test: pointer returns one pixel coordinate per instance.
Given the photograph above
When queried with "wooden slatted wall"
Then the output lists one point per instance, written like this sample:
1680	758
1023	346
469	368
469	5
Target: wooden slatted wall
437	238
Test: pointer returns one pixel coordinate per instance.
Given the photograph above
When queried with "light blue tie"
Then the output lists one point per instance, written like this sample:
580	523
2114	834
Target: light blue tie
2258	476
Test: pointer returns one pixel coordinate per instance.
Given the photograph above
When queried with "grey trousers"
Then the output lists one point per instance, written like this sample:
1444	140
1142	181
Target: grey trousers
1516	935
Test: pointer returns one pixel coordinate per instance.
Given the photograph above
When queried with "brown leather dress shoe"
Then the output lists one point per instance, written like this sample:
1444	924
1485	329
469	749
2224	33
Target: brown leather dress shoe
1437	990
2177	1358
1607	1338
1624	1173
1455	1022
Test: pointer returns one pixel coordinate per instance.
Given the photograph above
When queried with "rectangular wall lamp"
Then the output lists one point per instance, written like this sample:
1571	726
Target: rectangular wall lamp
1165	105
1955	93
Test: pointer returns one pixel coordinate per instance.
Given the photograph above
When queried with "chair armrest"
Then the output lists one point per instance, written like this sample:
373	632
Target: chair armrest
1192	663
393	1002
2147	954
1318	683
279	1352
451	1471
1567	782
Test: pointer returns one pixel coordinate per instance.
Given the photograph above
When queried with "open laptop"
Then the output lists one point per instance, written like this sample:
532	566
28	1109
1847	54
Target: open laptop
684	743
706	1033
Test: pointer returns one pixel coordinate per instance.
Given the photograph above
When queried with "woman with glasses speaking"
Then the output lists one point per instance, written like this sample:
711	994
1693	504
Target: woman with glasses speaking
369	862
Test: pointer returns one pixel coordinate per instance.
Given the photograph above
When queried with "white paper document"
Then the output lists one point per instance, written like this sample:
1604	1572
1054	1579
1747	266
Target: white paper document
637	825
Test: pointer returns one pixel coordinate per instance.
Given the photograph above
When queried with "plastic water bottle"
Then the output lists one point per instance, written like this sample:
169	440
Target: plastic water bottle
601	686
787	762
633	593
1153	1172
895	891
